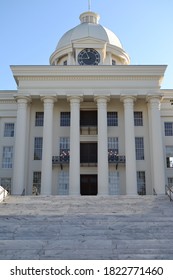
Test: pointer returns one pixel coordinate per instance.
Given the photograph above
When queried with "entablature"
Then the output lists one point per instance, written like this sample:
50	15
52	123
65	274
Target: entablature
105	72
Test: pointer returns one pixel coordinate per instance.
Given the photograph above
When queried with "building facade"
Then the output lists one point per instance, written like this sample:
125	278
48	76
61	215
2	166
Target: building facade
87	124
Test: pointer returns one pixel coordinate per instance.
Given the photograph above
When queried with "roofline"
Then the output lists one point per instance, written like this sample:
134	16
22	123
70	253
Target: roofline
61	70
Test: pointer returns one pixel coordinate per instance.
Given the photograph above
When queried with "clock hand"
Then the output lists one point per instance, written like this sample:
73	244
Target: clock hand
87	55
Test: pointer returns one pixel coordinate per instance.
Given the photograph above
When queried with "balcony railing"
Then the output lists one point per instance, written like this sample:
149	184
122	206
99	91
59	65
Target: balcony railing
115	158
63	158
88	130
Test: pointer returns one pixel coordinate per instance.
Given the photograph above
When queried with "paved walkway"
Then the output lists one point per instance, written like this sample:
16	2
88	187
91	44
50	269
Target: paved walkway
96	228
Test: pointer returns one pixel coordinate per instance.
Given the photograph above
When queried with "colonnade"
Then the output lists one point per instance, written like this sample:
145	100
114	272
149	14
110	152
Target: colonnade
157	159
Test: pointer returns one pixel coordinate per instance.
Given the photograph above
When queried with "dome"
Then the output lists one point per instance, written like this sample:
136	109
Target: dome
89	27
99	37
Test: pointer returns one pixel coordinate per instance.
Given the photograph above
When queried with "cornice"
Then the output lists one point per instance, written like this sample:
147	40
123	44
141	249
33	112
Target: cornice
106	70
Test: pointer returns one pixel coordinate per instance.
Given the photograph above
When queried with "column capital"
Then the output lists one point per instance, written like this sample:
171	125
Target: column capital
154	101
48	99
75	98
101	98
128	98
154	98
22	99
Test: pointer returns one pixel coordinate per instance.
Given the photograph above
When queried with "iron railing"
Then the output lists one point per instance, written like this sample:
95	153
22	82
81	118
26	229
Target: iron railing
64	158
169	192
60	160
114	157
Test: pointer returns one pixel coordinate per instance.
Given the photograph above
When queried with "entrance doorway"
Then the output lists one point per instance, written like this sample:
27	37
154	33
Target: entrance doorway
88	185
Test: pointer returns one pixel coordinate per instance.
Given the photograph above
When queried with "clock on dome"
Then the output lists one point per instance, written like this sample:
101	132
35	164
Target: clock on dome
89	57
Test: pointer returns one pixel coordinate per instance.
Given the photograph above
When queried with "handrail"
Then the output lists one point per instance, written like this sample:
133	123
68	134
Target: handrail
169	192
154	191
23	192
4	194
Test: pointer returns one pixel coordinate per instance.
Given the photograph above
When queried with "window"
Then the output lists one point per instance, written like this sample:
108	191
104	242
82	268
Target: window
64	143
141	182
113	144
138	119
139	144
112	118
65	119
38	144
88	118
169	156
63	183
65	148
114	185
112	148
7	157
39	118
36	189
9	130
168	128
6	184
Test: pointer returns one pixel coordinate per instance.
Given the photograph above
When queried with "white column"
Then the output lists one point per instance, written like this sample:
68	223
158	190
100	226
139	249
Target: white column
157	156
103	169
131	176
20	146
46	171
74	176
70	60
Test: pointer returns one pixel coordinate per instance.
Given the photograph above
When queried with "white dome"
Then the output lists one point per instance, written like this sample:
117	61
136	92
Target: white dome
84	30
89	28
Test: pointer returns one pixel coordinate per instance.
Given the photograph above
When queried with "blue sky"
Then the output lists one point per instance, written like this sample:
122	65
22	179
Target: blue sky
31	29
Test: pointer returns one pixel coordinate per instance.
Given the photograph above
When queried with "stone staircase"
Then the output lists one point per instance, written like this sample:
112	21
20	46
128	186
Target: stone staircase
75	228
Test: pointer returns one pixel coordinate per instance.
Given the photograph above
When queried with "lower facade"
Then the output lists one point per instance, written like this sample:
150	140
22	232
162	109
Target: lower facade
79	147
89	183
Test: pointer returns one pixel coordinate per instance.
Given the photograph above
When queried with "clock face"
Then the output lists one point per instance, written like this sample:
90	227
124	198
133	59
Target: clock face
88	57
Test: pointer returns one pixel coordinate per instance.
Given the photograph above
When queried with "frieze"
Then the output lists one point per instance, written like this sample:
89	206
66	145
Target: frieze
7	101
78	78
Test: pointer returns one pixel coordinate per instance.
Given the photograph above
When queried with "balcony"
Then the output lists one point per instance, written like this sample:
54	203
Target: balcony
88	156
88	130
62	159
114	158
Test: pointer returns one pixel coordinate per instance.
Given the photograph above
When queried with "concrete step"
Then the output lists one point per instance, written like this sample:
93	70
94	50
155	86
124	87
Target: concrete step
54	227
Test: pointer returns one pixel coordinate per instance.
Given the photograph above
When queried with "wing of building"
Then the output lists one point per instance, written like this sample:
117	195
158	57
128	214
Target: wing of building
89	123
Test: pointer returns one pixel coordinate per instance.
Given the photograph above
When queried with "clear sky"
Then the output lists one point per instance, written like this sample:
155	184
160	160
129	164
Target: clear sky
31	29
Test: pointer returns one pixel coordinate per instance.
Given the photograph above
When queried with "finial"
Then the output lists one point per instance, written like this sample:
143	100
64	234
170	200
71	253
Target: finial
89	5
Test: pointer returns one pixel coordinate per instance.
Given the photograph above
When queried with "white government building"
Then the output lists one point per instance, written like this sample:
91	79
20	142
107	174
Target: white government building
87	124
